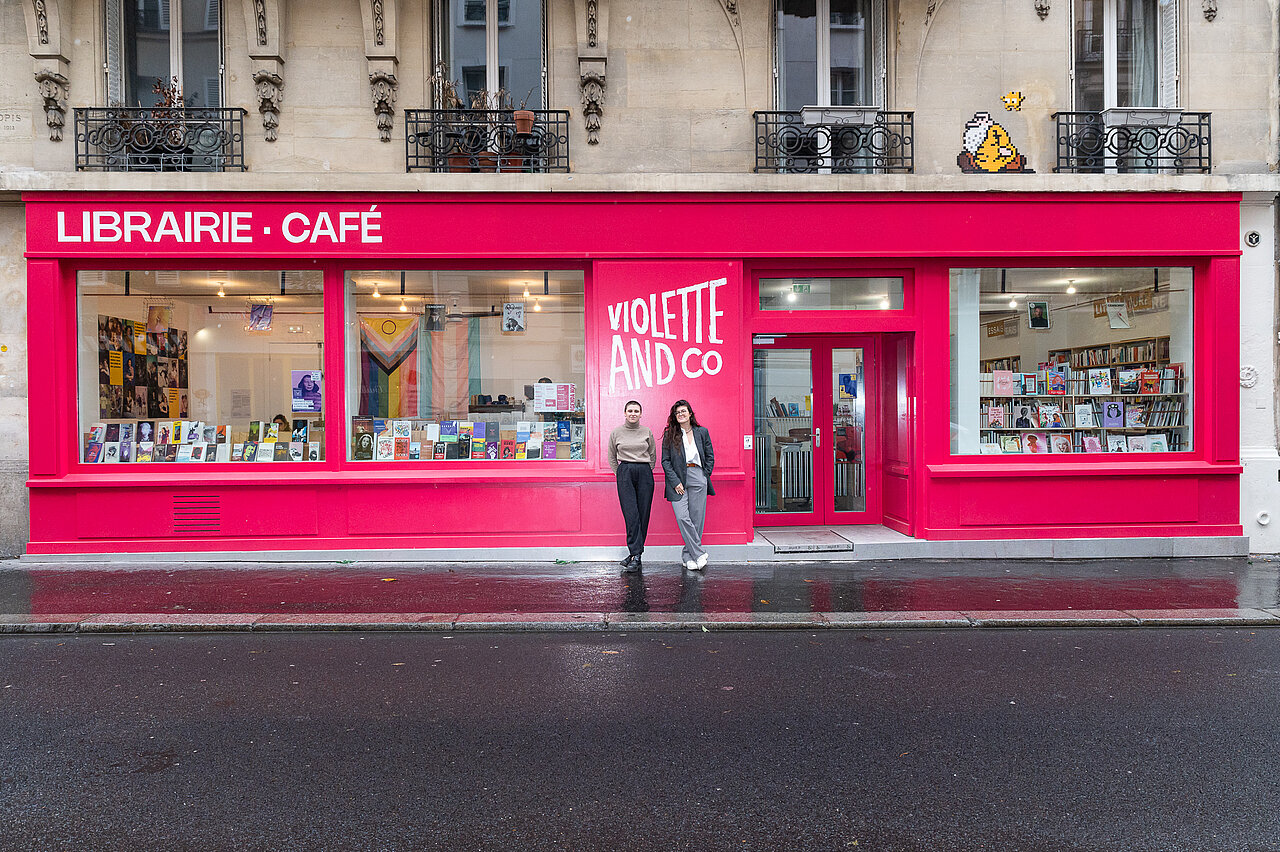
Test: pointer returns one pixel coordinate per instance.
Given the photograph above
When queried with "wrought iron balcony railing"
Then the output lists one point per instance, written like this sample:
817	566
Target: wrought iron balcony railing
159	139
878	142
1134	141
469	140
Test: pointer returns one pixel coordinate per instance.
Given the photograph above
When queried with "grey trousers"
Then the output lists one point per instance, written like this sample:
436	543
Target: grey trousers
691	513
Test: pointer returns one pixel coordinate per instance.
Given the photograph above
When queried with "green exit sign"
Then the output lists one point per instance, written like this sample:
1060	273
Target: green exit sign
799	288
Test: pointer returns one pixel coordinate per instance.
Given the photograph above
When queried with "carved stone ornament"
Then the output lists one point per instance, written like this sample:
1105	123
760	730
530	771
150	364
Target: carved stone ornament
53	88
270	89
260	14
1042	8
42	21
1210	9
384	102
1248	376
379	24
593	23
592	104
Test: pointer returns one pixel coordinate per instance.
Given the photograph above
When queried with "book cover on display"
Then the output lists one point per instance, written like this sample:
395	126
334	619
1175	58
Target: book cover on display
273	432
400	449
548	449
491	450
1035	442
1092	444
507	448
185	452
477	447
220	434
1056	382
401	429
93	452
1116	444
1011	443
1128	380
491	431
451	450
98	432
1051	416
579	433
255	431
297	450
464	446
222	452
126	451
250	451
113	433
564	431
1113	413
449	430
1099	382
313	451
384	448
197	451
266	452
995	416
433	432
415	450
438	452
1085	416
126	432
577	450
237	452
1001	383
533	450
522	450
1137	443
145	449
1060	443
1149	381
1157	443
170	453
1135	414
111	452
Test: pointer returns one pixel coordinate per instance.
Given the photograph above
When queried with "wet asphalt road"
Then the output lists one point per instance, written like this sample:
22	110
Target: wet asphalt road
880	740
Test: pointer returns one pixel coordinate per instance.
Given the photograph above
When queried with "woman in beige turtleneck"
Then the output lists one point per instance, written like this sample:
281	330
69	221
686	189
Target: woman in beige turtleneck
633	455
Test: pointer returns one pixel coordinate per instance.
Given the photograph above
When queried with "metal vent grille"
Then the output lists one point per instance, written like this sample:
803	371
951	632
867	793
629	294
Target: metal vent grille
196	514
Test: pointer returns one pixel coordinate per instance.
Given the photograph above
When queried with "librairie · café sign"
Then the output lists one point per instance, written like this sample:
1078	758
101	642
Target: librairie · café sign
209	228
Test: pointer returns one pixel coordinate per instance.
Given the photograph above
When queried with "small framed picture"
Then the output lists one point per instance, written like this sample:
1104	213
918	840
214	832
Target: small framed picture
1038	314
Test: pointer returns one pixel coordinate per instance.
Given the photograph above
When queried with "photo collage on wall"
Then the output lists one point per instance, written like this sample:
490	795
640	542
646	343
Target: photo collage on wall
142	367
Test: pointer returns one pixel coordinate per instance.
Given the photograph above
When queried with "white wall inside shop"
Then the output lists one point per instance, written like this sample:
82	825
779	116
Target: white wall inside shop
15	419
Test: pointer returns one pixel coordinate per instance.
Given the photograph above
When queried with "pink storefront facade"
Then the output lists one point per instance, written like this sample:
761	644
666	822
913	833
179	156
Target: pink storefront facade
672	309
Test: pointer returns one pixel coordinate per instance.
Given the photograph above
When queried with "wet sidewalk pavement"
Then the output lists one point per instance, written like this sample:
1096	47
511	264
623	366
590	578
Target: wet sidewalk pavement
369	595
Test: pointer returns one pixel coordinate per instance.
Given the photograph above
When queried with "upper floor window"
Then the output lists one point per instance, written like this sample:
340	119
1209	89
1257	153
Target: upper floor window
493	46
830	53
1126	54
163	40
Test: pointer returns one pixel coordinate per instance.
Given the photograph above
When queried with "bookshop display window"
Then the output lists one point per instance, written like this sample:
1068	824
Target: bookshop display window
831	294
188	366
462	365
1071	360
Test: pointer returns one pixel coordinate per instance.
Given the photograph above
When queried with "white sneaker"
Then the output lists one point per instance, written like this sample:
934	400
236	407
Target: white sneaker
702	560
691	565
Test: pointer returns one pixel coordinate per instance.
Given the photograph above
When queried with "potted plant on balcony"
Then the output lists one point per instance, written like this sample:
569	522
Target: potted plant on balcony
524	118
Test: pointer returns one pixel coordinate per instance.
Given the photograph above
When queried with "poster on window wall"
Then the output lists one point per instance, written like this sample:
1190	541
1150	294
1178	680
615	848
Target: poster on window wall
142	367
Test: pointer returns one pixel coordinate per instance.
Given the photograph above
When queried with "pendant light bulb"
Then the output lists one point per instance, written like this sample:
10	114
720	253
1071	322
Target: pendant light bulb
526	291
1071	285
537	304
403	309
376	294
1013	303
222	294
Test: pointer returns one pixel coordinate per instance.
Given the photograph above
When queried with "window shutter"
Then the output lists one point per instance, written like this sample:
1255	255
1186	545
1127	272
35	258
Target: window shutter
164	14
879	53
115	62
211	15
212	92
1169	53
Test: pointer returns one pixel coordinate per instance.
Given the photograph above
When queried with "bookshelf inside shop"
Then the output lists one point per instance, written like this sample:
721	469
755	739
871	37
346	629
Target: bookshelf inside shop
1117	397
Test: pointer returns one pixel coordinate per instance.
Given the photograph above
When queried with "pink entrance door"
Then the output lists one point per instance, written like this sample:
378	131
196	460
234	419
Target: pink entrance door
817	453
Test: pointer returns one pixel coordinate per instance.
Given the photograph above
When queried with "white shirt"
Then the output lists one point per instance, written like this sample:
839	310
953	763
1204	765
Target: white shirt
691	449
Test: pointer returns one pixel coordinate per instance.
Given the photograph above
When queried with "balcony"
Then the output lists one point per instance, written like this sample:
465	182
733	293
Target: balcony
867	141
159	139
1134	141
450	140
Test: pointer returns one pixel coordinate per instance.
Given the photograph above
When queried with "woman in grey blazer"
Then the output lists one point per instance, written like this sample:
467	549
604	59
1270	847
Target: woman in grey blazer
687	461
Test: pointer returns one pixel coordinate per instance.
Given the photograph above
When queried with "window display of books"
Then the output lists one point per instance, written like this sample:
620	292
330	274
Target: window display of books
189	441
379	439
1123	397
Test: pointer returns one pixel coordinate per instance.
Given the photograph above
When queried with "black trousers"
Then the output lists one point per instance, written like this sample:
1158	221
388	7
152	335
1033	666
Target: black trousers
635	496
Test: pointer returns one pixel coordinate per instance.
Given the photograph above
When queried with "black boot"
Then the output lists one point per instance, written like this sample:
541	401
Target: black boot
632	565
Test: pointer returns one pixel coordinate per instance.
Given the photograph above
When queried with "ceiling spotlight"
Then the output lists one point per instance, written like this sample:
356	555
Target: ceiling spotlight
1013	303
403	309
222	294
1071	285
376	294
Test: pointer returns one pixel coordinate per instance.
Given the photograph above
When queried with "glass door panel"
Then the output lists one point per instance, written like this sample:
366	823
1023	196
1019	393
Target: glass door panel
783	384
847	449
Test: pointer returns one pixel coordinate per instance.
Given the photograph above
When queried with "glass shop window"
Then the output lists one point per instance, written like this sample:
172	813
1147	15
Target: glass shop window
1071	360
830	294
185	366
461	366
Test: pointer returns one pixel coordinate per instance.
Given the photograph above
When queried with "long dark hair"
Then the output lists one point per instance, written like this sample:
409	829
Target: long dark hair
671	434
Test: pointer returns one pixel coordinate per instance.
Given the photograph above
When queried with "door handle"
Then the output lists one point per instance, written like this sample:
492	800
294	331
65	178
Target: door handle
817	438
